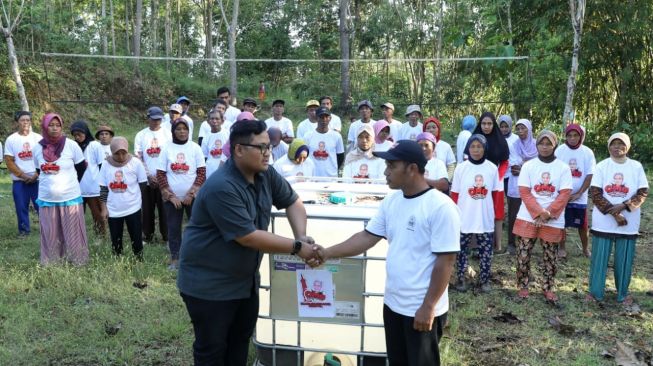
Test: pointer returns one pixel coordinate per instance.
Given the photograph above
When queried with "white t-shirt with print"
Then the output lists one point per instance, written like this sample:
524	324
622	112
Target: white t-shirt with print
365	168
287	168
444	152
619	183
581	163
545	181
94	155
284	124
324	148
58	179
212	145
335	124
21	148
395	129
231	114
123	184
474	185
418	228
410	133
149	144
180	162
435	169
305	127
106	151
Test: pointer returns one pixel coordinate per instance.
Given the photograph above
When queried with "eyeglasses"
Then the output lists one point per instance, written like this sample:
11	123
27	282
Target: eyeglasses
262	147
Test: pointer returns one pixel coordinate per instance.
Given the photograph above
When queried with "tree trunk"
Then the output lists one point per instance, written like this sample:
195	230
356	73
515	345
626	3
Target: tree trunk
168	28
103	27
127	8
113	29
179	35
438	55
138	23
344	31
155	27
233	67
577	10
15	70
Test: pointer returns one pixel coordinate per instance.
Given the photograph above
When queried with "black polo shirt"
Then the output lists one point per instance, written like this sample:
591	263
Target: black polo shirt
212	265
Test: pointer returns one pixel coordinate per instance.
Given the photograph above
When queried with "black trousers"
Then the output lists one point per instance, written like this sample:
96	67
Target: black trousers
152	200
116	225
406	346
222	329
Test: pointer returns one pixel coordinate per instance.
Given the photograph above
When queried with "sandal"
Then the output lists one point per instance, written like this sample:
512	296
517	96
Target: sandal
550	296
628	301
523	293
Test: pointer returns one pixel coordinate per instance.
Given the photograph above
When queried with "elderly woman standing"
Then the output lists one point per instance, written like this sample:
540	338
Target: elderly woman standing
61	207
545	186
618	189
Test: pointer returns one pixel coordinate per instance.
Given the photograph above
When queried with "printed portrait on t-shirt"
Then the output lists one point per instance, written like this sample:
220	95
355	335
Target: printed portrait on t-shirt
26	153
478	191
545	188
573	165
154	150
363	171
617	188
50	168
216	151
321	153
118	185
180	166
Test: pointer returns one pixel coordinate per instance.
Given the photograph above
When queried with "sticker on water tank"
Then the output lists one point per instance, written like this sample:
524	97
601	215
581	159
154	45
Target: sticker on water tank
332	269
288	266
348	309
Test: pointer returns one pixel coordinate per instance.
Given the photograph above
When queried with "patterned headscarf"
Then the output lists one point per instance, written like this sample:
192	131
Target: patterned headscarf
437	123
297	146
52	146
577	128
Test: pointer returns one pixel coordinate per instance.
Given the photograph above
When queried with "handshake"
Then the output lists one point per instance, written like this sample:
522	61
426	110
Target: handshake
313	254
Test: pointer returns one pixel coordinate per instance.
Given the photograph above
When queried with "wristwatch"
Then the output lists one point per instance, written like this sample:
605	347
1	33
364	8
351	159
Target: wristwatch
296	247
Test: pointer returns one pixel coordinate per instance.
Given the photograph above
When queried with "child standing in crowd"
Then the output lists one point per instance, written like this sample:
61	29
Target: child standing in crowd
476	189
382	140
213	143
296	161
545	185
61	207
104	134
180	174
443	150
468	125
94	155
580	159
20	162
435	172
360	163
121	180
619	188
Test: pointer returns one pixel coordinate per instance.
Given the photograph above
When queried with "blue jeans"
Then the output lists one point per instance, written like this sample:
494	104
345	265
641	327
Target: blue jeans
24	193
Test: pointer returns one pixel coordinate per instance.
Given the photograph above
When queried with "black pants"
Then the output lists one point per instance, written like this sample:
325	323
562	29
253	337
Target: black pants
152	200
175	219
133	222
406	346
222	329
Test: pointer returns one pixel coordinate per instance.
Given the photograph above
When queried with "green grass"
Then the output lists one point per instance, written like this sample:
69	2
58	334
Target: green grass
94	315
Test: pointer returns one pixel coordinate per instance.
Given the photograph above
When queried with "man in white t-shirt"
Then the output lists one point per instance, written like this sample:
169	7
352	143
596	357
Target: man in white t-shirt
413	127
310	123
176	111
279	121
365	109
388	110
422	226
335	124
205	128
232	112
327	150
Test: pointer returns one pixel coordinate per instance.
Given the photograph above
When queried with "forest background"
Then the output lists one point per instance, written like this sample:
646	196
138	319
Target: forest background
375	38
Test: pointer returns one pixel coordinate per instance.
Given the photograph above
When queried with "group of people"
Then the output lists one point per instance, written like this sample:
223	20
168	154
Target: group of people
224	179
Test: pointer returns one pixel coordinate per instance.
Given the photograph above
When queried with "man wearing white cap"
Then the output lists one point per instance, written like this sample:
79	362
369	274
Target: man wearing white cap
388	110
413	126
177	111
310	123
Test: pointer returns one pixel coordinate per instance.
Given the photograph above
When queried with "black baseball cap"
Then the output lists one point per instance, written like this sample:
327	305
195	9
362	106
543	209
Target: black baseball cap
280	101
322	110
250	101
404	150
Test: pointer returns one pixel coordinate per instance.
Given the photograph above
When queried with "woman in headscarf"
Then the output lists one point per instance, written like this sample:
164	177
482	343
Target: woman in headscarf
122	179
181	173
360	163
580	159
435	171
382	139
476	189
523	150
618	190
544	186
61	164
295	162
90	186
498	153
468	124
443	150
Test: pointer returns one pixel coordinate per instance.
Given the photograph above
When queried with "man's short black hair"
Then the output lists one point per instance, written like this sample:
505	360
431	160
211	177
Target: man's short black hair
325	97
243	131
223	89
222	102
